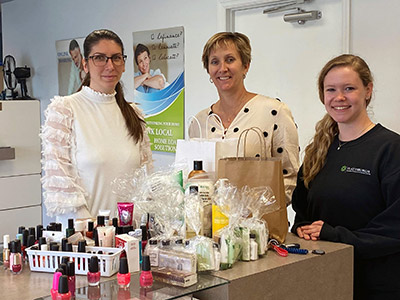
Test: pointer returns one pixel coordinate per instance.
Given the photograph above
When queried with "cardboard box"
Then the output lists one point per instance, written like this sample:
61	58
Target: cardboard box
174	277
131	246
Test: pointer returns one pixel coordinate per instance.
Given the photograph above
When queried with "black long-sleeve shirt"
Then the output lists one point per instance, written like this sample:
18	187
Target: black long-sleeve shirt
357	195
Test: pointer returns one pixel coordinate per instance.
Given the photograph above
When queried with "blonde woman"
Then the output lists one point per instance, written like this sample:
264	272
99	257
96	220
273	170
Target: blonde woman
227	57
348	188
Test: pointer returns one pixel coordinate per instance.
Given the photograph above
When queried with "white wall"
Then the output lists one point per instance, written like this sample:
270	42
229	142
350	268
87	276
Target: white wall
375	35
31	28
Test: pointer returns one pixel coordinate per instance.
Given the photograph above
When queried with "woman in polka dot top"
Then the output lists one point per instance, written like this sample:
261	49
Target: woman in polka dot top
226	57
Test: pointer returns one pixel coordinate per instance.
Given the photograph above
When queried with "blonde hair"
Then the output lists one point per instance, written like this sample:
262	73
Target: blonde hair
327	128
241	42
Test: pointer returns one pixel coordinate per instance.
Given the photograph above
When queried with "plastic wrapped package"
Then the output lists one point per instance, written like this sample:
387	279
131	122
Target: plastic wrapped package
203	246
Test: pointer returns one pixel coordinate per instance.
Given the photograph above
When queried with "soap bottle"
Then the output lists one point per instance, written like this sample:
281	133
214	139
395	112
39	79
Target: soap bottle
201	184
197	168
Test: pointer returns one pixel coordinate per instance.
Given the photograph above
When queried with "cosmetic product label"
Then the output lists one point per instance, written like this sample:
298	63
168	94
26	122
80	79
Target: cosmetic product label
180	261
131	245
205	189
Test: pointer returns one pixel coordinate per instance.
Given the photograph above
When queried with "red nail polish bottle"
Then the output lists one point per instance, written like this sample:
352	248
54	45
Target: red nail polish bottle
123	276
71	277
146	277
63	291
93	275
15	257
54	290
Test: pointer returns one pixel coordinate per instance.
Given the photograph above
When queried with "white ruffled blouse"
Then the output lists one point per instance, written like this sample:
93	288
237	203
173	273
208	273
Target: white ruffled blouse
85	146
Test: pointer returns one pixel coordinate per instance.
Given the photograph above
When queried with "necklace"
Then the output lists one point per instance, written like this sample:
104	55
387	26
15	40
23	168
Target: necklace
341	144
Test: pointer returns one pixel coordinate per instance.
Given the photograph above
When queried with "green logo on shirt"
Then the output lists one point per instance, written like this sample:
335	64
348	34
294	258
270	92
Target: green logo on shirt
356	170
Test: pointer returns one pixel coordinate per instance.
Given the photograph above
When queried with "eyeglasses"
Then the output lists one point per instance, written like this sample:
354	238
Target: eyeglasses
100	60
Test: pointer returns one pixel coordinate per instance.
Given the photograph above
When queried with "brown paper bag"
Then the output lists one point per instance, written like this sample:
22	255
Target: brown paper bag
259	171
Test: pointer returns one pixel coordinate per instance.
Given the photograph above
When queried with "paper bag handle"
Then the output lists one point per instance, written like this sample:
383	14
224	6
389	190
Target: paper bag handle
263	144
190	120
208	119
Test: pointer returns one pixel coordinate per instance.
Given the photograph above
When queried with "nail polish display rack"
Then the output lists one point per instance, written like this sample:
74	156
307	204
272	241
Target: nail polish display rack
48	261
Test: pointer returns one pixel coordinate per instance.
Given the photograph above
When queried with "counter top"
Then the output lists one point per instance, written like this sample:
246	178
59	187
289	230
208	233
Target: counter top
272	276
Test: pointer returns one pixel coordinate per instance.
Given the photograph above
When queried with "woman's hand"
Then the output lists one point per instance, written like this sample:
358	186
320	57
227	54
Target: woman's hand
310	232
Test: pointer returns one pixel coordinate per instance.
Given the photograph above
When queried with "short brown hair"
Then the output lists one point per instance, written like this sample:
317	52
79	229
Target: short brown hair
241	42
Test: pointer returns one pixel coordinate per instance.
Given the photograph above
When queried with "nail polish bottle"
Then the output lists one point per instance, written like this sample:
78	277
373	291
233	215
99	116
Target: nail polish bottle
123	276
39	232
25	234
144	236
55	259
15	257
63	266
68	248
58	227
54	289
64	242
146	277
89	232
71	277
19	234
81	249
32	231
93	275
70	230
6	252
95	237
100	221
63	291
31	242
44	257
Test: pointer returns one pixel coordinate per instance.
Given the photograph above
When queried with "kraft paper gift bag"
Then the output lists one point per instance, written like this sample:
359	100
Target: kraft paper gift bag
259	171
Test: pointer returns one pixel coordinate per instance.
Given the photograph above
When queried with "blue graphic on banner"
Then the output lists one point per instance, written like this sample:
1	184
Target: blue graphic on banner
155	103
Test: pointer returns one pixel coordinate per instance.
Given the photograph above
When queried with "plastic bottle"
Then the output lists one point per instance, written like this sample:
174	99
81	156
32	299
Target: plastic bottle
197	168
217	257
152	251
253	247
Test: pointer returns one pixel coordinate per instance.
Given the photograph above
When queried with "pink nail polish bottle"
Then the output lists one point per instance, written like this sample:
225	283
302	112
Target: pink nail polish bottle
123	276
71	277
63	291
15	257
146	277
93	275
54	290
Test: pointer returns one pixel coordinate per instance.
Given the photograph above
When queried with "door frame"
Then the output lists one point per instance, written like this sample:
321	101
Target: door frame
226	10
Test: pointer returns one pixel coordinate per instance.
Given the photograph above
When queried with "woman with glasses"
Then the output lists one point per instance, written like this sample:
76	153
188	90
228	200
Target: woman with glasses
93	136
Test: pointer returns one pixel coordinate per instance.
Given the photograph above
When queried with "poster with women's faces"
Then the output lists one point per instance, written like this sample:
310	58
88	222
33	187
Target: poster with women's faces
70	67
159	84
